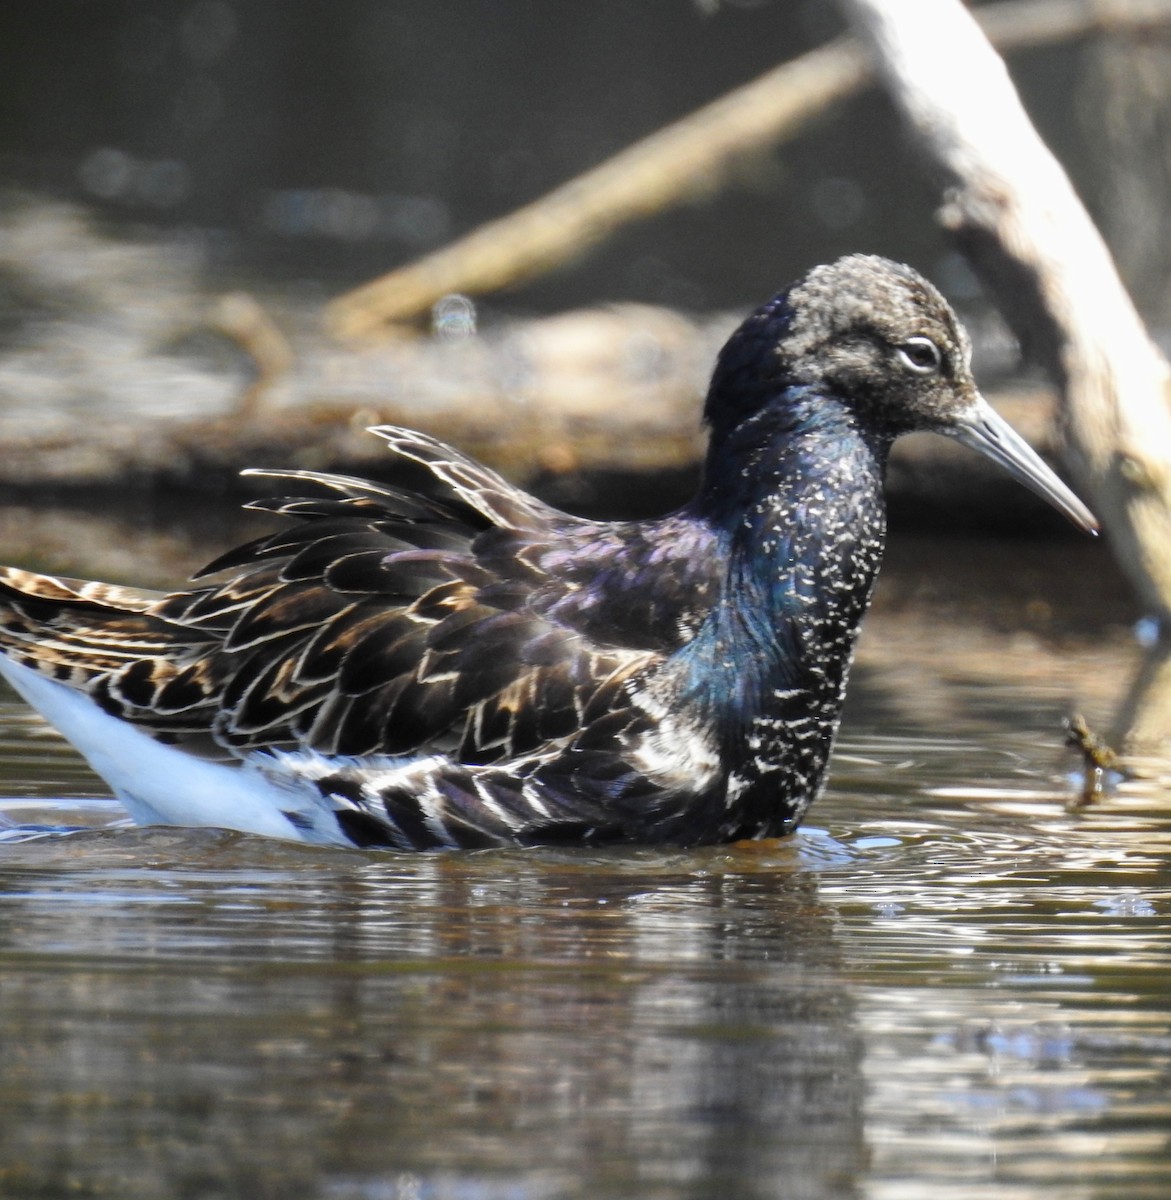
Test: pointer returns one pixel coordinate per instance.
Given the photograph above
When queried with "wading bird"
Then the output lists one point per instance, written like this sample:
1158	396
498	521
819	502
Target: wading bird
446	661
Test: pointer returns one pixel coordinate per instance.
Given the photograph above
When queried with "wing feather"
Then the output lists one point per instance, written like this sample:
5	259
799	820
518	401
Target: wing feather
447	613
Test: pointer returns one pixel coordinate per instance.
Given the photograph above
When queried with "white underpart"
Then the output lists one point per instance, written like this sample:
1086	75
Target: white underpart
164	785
676	753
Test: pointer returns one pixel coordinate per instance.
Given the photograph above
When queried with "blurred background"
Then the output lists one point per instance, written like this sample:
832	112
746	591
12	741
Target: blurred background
304	143
155	157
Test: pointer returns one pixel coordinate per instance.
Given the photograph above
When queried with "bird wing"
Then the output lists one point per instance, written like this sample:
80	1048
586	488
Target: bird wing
386	619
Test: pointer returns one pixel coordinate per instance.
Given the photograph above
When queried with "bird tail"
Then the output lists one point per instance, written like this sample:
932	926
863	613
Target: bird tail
75	630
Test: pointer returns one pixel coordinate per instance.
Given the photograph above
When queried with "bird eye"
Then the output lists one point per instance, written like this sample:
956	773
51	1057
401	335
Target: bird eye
921	354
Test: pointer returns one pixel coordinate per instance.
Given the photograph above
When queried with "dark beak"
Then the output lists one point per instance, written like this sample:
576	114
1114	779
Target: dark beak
984	430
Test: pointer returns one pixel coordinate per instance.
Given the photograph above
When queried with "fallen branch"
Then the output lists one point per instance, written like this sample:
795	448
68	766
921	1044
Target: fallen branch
1016	216
671	164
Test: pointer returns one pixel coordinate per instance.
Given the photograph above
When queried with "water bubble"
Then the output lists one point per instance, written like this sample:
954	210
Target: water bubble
1148	631
1128	904
454	317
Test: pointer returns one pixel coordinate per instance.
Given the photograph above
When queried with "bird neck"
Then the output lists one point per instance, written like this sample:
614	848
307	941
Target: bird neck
798	505
798	508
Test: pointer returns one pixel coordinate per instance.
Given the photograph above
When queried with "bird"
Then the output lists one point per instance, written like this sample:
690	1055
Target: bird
445	662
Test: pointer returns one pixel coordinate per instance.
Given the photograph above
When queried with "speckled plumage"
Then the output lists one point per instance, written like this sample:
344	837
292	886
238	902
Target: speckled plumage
448	662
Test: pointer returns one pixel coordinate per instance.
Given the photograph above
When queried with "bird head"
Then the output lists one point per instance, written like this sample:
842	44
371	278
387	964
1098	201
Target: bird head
878	338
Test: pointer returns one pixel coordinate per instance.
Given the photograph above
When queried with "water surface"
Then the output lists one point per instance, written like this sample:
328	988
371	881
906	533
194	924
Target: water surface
947	985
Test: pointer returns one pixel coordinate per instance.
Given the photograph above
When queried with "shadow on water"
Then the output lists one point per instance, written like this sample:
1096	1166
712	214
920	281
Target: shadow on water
948	985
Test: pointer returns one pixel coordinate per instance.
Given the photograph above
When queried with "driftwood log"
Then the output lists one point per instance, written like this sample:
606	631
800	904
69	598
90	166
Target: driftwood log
1013	211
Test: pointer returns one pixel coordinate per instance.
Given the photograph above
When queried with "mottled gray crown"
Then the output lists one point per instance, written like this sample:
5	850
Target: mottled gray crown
863	293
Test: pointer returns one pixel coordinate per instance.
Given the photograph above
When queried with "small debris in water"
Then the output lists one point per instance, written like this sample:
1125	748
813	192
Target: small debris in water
1101	765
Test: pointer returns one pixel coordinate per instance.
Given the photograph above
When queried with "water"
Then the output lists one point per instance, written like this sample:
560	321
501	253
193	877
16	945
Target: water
948	985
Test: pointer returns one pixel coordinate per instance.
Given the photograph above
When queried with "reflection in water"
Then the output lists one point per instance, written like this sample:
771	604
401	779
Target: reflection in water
932	993
611	1026
948	987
